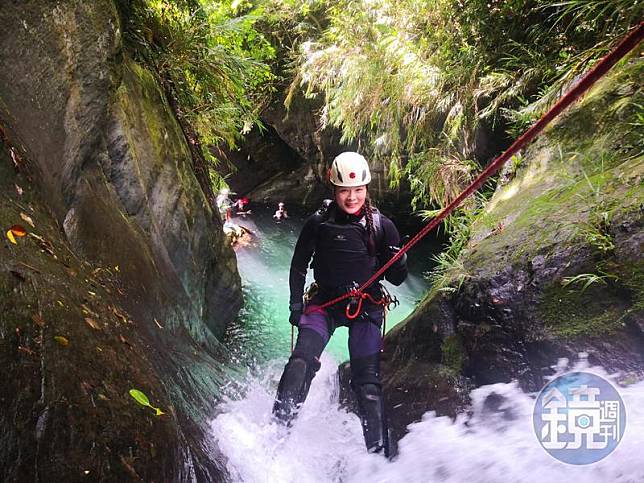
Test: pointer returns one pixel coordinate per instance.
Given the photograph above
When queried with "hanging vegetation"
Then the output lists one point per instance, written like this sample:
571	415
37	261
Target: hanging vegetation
412	81
211	61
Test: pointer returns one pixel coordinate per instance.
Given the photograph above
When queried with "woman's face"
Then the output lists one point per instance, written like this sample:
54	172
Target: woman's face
351	200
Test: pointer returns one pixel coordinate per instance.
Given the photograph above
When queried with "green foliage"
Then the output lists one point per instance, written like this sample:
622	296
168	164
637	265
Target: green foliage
438	178
380	88
585	280
211	60
595	231
143	400
411	81
450	273
287	24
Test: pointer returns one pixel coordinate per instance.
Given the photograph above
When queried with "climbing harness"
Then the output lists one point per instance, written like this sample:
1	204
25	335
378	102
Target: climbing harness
387	301
356	299
631	41
354	306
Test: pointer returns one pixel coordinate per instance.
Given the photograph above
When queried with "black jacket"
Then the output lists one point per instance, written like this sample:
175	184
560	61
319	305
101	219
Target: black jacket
339	246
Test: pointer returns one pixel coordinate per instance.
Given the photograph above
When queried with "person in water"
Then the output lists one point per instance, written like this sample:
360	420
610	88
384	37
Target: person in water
224	204
240	206
281	213
348	241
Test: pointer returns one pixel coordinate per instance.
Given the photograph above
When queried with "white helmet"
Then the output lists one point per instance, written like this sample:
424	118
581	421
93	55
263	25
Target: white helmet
349	169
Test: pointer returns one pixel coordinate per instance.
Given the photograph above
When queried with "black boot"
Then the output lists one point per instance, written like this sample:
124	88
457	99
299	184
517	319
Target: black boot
372	415
365	382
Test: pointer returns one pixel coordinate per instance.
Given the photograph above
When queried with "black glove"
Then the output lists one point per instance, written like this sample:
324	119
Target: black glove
294	318
296	313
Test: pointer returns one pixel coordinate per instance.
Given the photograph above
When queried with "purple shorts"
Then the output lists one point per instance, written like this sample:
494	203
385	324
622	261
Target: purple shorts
365	337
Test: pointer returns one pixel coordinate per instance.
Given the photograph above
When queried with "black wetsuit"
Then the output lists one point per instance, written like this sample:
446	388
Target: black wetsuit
343	255
338	263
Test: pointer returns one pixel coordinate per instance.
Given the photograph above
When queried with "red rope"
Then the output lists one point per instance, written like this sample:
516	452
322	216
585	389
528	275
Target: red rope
361	296
631	41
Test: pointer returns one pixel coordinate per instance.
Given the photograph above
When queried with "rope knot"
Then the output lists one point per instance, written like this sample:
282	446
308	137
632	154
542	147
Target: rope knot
356	298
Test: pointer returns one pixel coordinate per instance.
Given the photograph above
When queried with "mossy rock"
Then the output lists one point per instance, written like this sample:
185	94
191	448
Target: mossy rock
570	313
573	209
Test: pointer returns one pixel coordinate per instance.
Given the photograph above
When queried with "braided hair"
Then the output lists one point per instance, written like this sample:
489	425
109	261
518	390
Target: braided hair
371	232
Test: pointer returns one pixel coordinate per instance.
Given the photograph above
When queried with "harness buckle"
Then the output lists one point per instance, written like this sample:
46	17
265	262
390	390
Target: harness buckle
354	303
389	301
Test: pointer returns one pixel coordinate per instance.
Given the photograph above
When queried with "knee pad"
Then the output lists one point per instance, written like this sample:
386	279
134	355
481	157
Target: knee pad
296	368
294	387
306	365
298	374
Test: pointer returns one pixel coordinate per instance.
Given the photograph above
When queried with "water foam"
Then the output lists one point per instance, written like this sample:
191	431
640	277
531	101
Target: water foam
488	445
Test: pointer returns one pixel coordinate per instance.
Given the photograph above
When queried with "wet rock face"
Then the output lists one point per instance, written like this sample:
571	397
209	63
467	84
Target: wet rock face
286	161
70	353
553	268
113	174
165	200
111	158
289	160
262	155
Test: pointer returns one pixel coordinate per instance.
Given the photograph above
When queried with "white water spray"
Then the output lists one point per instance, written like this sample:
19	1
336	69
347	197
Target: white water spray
326	445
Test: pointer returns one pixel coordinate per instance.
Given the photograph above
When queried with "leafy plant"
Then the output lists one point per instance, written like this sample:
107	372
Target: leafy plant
211	61
411	82
449	274
588	279
597	237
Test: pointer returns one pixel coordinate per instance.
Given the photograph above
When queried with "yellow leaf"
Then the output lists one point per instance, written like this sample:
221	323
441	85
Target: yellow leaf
64	341
11	237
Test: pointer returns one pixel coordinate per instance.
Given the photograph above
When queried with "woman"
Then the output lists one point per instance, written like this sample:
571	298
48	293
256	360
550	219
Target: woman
348	242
